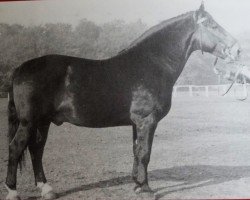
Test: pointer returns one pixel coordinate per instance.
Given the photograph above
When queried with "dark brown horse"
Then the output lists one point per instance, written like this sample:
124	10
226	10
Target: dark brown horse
132	88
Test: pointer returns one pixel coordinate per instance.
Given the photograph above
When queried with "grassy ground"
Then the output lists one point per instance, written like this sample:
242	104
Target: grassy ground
201	150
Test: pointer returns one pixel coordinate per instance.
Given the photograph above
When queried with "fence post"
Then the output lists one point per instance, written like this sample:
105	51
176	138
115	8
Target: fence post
190	90
206	90
245	88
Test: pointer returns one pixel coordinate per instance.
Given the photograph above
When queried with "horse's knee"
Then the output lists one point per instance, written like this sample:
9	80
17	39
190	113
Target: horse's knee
143	122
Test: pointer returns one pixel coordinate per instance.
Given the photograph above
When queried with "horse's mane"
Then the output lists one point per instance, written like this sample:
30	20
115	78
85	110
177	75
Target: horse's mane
155	29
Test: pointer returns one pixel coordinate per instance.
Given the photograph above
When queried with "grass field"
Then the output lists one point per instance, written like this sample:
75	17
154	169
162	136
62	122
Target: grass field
201	150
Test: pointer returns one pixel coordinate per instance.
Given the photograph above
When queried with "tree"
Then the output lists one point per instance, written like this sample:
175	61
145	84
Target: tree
117	35
85	36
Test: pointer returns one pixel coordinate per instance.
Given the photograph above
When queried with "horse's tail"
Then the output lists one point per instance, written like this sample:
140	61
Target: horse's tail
13	121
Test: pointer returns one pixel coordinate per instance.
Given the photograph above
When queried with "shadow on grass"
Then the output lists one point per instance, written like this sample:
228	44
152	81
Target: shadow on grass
189	177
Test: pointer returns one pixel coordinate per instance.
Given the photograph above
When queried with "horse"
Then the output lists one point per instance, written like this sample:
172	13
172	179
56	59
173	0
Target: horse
132	88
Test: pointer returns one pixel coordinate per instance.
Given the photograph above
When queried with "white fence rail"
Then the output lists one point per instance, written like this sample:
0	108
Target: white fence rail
198	90
209	90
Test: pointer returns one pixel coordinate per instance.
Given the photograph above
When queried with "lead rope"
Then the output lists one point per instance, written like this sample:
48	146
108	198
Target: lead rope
243	85
201	39
234	80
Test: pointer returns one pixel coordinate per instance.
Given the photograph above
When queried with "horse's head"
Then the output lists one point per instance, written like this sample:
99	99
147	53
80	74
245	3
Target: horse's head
212	38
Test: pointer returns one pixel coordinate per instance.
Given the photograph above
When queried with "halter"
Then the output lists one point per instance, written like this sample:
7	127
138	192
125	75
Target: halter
199	22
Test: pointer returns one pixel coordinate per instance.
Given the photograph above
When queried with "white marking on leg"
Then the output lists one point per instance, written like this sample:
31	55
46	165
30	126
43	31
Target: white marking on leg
44	187
11	193
138	190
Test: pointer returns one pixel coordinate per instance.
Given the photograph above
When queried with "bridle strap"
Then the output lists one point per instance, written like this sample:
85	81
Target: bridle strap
201	39
199	22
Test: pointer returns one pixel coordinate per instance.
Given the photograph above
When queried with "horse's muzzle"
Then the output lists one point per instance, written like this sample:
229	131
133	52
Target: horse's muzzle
233	54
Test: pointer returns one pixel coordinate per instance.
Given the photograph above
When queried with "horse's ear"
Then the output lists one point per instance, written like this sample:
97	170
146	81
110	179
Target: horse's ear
200	12
202	7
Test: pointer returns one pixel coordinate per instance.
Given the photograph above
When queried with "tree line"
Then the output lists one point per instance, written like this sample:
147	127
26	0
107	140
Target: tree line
88	40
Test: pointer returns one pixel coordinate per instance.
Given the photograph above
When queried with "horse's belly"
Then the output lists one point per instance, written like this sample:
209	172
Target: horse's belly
92	111
92	102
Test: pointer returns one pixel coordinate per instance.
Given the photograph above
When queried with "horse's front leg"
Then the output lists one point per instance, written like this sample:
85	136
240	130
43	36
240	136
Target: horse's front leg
145	128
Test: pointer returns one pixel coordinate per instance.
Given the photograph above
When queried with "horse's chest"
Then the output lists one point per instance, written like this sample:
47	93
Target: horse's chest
146	101
143	101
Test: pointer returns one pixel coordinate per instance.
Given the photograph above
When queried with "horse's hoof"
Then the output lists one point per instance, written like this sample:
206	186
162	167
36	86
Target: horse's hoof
144	192
137	189
143	189
146	196
50	195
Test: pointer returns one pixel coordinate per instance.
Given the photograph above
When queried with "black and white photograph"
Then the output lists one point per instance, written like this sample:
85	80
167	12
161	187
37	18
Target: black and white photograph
124	99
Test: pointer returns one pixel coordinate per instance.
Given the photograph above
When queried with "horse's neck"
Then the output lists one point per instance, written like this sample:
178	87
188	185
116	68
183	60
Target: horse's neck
171	47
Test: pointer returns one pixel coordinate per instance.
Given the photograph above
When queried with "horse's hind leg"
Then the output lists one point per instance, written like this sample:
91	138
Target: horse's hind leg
36	148
16	149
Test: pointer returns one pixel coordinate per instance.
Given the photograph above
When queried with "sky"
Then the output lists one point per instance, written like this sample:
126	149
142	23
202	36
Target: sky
233	15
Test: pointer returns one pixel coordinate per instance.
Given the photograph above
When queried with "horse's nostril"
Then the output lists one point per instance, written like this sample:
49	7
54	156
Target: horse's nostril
239	51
